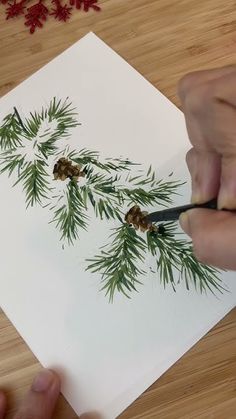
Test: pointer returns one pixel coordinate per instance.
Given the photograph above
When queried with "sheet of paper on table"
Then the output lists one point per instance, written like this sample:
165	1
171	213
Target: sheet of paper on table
110	353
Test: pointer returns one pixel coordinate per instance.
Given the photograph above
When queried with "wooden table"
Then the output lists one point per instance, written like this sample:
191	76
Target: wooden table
162	39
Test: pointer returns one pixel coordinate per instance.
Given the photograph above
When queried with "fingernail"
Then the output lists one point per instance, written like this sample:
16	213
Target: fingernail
184	222
43	381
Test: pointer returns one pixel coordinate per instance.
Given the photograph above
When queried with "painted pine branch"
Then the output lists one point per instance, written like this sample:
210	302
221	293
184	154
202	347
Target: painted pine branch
108	189
175	261
35	181
118	262
70	213
173	258
10	133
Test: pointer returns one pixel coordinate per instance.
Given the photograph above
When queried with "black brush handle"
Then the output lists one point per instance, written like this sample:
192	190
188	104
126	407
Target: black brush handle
174	213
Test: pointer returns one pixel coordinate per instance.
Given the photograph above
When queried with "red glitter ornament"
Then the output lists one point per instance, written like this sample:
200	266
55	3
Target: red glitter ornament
86	5
15	9
61	12
35	14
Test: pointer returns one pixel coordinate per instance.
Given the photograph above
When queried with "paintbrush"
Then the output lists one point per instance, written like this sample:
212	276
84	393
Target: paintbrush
172	214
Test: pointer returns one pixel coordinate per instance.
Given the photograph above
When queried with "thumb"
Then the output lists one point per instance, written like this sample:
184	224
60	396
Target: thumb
214	236
41	399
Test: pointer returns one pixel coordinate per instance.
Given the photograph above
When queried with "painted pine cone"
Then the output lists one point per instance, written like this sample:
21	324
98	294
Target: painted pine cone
65	169
138	219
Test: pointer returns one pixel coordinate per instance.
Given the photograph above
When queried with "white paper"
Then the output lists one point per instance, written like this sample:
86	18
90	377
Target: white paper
108	353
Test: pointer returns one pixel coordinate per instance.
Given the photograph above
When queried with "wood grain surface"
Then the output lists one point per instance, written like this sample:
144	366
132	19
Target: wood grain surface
163	40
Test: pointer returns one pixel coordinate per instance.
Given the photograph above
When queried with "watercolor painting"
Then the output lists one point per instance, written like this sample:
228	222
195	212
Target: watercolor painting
36	153
88	148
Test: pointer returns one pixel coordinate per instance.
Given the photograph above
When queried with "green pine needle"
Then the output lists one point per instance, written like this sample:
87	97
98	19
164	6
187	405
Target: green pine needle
16	131
100	191
146	190
10	133
11	161
103	204
87	157
161	194
35	182
48	148
118	263
175	262
175	259
109	186
203	277
70	216
59	111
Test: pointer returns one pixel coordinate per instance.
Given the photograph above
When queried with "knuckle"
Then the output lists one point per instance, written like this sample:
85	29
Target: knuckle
198	99
191	158
188	82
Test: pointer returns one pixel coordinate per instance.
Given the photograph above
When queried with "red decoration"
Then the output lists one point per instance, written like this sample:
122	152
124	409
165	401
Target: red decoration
61	12
86	5
37	14
15	9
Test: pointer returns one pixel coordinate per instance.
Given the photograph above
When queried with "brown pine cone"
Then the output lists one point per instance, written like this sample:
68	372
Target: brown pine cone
65	169
138	219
